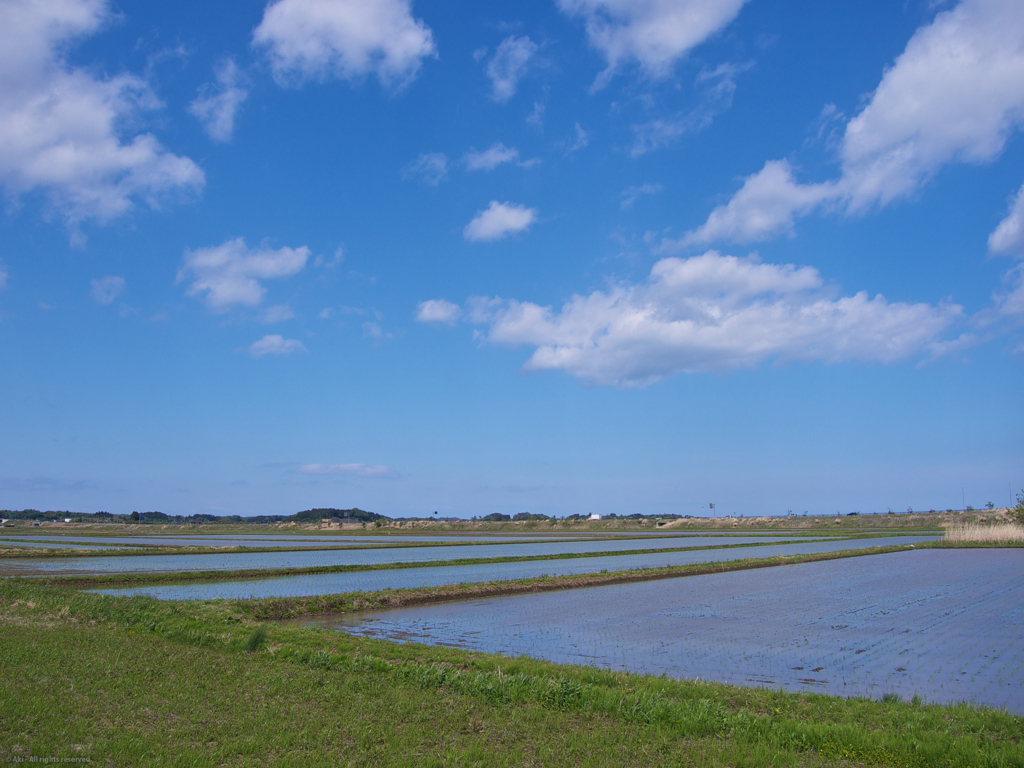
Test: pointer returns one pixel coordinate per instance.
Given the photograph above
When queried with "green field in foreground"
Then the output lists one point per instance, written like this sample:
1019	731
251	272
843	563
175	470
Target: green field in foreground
133	681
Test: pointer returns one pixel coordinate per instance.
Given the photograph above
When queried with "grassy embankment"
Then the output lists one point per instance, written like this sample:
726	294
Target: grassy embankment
138	682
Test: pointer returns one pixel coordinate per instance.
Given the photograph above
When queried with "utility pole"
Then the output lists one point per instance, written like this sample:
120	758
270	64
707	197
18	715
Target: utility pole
713	512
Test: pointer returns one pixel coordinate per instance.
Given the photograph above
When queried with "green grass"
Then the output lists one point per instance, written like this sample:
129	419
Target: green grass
134	681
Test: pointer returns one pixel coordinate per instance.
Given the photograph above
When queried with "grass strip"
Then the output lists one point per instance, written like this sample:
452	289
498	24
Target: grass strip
134	681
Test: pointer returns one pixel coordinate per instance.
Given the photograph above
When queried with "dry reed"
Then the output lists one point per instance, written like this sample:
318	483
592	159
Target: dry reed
1003	533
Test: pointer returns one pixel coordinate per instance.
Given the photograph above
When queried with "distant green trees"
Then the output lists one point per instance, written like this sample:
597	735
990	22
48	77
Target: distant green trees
326	513
1018	511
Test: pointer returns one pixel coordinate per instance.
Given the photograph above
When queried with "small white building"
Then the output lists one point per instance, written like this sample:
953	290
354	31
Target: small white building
595	516
67	519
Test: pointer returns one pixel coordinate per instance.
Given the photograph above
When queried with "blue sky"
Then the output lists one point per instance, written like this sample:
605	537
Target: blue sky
558	257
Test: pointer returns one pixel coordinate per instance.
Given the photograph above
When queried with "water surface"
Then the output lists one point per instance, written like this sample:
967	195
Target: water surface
334	583
233	561
947	625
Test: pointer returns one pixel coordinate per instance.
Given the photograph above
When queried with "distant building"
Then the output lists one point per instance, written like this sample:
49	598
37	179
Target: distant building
67	519
595	516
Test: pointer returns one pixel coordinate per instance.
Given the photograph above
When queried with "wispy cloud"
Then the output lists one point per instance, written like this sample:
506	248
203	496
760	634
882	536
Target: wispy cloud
630	194
350	470
508	65
430	168
217	105
495	155
716	88
106	289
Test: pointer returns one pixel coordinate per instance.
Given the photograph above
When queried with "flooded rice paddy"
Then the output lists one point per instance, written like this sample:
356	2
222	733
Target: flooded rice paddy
333	583
70	544
234	561
946	625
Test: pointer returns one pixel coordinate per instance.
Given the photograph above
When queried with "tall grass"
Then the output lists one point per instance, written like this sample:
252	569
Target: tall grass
1006	533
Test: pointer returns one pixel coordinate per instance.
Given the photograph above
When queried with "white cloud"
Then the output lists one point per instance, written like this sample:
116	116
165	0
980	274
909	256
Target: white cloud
347	39
490	158
217	105
630	194
508	65
275	344
654	33
277	313
1008	237
66	132
438	311
355	470
429	167
708	313
765	207
955	94
498	221
230	273
106	289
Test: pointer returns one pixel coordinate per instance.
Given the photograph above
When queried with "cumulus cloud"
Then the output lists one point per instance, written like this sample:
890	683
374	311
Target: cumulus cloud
508	65
438	311
499	220
229	273
490	158
275	344
430	168
106	289
347	39
653	33
217	104
355	470
66	132
766	206
955	94
709	313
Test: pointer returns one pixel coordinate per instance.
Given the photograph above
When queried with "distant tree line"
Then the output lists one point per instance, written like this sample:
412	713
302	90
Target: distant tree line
306	516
